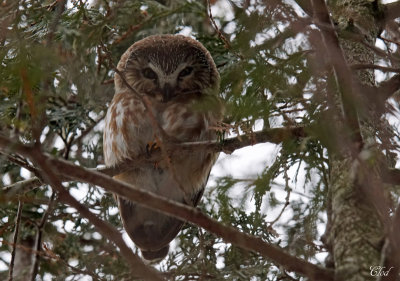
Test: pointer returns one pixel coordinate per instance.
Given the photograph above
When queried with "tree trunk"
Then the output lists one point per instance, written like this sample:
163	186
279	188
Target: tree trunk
356	231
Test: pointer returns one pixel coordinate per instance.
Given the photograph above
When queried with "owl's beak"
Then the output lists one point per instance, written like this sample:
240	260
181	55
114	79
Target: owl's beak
168	92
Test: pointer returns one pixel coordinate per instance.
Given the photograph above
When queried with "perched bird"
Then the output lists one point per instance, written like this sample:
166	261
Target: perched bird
179	78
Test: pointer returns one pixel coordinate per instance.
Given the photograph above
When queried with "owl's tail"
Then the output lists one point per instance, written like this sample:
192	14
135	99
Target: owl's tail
155	255
149	230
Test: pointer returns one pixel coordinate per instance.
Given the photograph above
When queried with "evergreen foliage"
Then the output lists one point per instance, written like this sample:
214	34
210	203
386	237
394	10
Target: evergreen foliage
56	77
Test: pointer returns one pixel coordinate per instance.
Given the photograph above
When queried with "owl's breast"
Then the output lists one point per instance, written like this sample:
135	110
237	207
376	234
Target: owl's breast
181	122
127	129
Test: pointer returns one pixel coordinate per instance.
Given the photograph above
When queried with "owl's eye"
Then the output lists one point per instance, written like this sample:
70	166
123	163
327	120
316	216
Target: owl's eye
186	71
149	74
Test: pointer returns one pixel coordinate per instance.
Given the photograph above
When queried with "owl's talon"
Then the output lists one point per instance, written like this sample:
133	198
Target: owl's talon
151	147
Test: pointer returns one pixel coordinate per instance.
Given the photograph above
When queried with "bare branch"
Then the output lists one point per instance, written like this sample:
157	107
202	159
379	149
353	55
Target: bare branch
375	66
344	76
391	176
305	5
388	88
392	11
274	135
172	208
38	243
21	187
107	230
15	240
220	35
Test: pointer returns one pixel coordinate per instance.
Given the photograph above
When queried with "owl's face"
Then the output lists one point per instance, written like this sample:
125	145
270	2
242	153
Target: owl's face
168	67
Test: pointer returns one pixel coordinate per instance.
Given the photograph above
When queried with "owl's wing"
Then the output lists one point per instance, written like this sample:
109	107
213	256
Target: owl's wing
126	129
197	195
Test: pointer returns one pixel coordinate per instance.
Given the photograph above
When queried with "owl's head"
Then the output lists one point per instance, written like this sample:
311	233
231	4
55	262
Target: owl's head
167	67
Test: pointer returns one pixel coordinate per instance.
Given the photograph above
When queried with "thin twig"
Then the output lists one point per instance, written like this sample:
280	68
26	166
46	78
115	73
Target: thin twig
220	35
15	240
287	199
359	66
21	187
389	40
49	255
50	207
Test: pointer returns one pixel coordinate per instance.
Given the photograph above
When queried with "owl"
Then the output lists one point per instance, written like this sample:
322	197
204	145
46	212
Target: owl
178	77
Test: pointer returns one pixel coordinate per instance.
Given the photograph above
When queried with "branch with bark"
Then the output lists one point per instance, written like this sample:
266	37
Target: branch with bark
274	135
388	88
158	203
392	11
107	230
349	94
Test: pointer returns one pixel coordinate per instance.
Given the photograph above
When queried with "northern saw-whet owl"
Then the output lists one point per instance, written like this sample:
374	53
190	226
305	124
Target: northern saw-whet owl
179	77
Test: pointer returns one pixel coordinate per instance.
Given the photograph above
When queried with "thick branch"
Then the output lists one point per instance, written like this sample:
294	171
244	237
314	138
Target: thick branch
388	88
391	176
343	73
107	230
305	5
359	66
392	11
274	135
181	211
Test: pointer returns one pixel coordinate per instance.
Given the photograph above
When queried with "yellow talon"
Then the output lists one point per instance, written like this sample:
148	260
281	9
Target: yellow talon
151	146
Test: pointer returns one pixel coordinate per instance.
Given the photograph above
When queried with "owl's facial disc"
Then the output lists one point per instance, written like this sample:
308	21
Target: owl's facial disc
168	83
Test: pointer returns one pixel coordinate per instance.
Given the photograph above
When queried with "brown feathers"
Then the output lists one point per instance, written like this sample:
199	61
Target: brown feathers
177	75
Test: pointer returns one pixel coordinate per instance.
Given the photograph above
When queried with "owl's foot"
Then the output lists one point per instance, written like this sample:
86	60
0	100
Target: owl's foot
151	146
157	167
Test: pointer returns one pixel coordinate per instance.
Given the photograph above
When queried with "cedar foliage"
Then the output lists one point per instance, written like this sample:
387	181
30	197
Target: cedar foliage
55	85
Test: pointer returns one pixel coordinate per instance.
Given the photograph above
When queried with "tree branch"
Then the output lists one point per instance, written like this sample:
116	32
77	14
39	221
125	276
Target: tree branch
107	230
172	208
344	76
391	176
21	187
274	135
388	88
15	240
359	66
39	233
392	11
305	5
